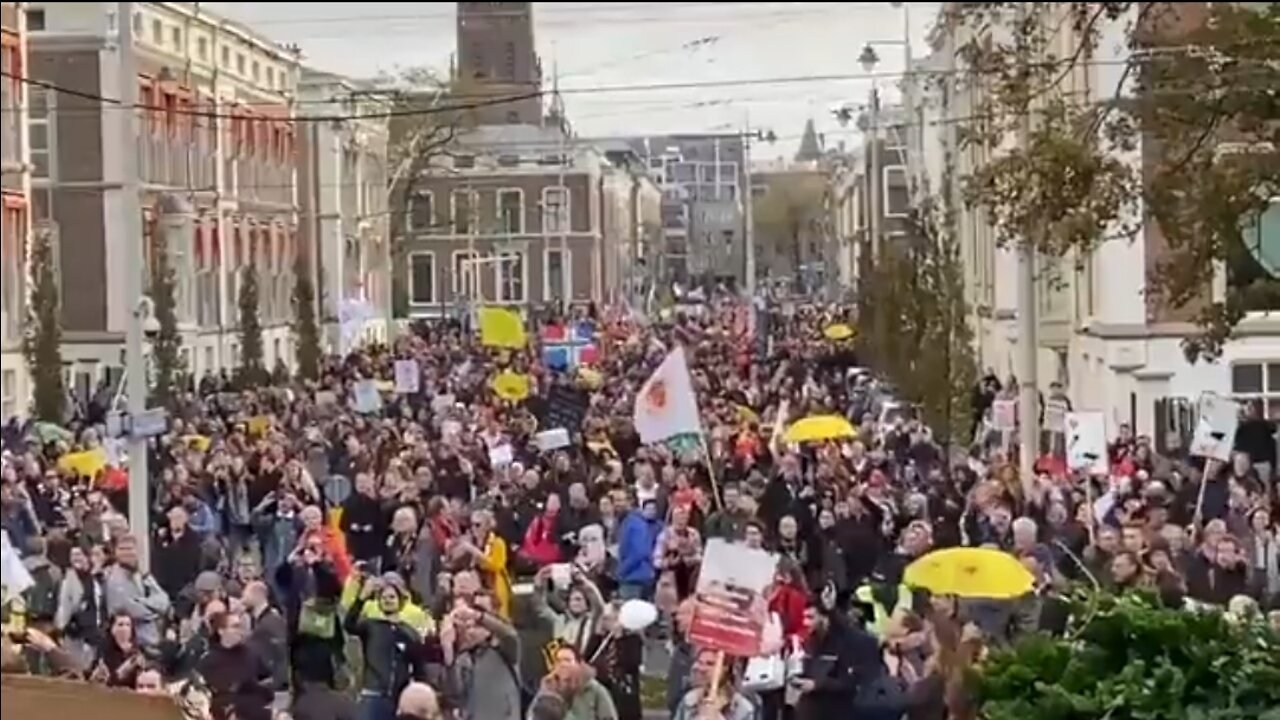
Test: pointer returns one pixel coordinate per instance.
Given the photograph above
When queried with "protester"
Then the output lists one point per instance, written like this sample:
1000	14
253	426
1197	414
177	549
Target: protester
292	521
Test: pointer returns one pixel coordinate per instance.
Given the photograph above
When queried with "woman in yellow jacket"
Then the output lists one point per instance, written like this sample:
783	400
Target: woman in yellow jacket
412	614
488	552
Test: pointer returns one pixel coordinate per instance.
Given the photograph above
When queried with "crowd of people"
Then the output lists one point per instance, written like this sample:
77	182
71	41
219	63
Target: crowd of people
318	556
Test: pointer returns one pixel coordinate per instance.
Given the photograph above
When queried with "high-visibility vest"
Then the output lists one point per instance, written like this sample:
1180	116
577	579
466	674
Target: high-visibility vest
881	615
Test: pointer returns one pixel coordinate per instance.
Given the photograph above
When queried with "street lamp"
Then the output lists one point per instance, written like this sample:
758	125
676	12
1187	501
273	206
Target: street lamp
868	59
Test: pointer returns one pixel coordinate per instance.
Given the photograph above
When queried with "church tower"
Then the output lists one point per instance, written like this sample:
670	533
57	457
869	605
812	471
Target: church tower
497	57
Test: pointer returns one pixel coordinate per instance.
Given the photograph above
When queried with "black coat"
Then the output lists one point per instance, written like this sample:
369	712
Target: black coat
840	662
177	561
239	681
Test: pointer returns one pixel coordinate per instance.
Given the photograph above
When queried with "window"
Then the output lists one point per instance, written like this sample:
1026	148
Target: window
422	278
508	161
555	210
240	63
511	211
157	32
226	55
202	48
10	402
464	162
894	188
10	91
511	277
463	205
175	37
257	70
35	21
509	65
137	23
1258	381
464	274
557	283
271	77
421	211
40	130
14	238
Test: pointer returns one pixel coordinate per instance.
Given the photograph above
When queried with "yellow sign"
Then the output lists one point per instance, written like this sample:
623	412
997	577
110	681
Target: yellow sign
200	443
500	327
87	463
839	331
259	425
510	386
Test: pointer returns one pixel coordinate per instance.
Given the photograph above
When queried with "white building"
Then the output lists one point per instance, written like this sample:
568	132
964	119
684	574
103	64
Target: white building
215	142
15	208
1098	334
343	180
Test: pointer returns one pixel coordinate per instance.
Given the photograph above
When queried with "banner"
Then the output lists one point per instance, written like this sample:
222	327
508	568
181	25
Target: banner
564	407
1004	415
408	377
367	399
730	610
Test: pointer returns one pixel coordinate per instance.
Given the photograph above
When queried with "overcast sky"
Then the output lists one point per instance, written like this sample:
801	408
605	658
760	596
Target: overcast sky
600	47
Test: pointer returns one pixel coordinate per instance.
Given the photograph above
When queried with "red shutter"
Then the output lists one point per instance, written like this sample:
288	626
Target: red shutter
199	249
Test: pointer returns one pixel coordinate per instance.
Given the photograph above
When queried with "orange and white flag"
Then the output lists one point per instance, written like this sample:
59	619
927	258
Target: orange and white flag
666	405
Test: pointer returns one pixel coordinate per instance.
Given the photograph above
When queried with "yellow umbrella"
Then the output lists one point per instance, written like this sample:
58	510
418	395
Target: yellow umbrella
511	386
970	573
838	331
819	428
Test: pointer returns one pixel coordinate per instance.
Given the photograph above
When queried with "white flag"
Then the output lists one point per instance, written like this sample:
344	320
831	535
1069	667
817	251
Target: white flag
666	405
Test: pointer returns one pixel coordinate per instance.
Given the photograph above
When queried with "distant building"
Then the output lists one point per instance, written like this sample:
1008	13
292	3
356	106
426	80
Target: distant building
701	178
497	58
216	153
521	215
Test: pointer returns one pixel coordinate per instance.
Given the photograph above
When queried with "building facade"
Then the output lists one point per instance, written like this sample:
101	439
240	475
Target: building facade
1099	334
215	147
344	218
15	208
858	178
701	178
520	215
497	59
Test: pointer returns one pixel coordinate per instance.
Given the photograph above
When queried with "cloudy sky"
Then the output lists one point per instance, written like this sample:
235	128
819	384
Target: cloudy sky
776	63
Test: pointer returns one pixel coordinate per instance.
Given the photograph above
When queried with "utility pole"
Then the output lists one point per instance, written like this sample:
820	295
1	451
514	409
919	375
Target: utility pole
748	224
1028	325
131	226
873	176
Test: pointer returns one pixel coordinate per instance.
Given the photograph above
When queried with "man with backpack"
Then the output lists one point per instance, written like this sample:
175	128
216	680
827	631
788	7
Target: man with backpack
42	596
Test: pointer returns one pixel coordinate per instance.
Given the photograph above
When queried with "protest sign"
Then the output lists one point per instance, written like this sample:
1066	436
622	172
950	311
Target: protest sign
408	377
1215	433
1087	441
730	610
564	407
367	399
1004	415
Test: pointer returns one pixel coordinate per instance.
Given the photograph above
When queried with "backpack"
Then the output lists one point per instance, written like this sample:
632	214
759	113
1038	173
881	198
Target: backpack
42	596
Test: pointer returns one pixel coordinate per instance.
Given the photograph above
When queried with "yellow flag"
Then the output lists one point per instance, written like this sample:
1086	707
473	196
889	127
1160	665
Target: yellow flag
500	327
86	463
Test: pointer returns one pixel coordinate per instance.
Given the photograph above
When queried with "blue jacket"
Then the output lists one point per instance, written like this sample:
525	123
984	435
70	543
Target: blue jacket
636	540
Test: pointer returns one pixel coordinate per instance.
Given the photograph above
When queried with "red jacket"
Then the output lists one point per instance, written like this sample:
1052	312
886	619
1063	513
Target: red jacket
789	602
540	544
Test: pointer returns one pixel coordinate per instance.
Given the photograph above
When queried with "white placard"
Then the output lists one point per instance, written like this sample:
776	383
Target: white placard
1004	415
552	439
1216	421
501	456
367	398
1087	441
1055	415
408	377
